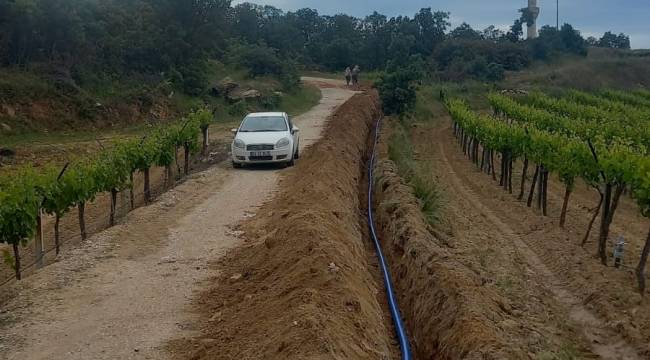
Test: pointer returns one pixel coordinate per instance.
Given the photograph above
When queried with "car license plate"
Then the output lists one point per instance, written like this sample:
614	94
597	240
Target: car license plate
260	153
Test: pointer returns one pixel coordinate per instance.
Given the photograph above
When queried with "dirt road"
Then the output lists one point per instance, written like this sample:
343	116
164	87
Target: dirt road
126	292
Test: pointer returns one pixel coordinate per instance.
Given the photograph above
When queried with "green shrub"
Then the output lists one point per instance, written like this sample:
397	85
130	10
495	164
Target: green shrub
396	89
239	108
257	59
423	185
271	101
261	60
194	78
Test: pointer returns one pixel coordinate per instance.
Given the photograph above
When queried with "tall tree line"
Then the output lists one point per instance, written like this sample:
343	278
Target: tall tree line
175	38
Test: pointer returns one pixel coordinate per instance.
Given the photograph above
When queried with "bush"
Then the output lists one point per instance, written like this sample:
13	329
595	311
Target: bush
239	108
271	101
479	59
495	72
261	60
257	59
510	56
194	78
551	42
290	78
423	185
396	90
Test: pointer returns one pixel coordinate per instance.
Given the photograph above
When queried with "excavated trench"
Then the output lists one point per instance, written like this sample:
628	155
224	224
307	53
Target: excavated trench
449	313
307	284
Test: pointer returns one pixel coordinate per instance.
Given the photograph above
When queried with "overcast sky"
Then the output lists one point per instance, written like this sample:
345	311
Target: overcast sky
592	17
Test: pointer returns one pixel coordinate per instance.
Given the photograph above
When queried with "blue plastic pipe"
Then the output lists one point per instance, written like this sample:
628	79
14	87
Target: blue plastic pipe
402	337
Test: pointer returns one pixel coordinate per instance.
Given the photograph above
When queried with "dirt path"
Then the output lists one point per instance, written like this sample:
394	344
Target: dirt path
304	285
127	291
544	291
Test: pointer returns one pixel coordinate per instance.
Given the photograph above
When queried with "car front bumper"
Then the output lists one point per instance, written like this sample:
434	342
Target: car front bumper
242	156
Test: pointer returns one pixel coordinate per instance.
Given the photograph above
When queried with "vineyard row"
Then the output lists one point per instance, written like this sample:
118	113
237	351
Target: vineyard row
609	167
29	192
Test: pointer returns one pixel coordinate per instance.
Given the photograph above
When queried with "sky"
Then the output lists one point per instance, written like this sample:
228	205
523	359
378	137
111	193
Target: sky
591	17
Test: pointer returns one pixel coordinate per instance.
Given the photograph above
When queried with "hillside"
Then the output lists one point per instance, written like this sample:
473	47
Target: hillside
602	68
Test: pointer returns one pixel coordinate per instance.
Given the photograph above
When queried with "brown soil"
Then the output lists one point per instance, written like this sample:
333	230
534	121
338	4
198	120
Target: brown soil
59	112
565	301
449	312
302	287
128	291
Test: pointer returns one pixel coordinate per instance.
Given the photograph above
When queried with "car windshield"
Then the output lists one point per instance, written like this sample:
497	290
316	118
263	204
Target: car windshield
263	123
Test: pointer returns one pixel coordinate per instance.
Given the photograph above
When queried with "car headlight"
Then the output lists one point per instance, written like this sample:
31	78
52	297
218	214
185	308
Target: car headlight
282	143
240	144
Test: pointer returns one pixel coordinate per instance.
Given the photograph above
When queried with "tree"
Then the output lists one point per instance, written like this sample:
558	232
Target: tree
396	89
613	41
492	33
572	41
84	44
431	28
516	31
592	41
465	31
551	42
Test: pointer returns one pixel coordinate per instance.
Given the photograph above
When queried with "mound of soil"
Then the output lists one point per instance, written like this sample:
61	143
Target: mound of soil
302	287
449	312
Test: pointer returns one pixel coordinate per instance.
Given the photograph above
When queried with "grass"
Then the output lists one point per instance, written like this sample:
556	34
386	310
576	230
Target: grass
322	74
300	101
424	187
44	139
603	68
294	103
18	84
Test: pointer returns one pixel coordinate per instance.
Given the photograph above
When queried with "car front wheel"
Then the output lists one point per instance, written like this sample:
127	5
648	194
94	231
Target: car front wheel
236	165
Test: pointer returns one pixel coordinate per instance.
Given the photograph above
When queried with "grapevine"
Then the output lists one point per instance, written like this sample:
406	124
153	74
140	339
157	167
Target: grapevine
593	147
57	191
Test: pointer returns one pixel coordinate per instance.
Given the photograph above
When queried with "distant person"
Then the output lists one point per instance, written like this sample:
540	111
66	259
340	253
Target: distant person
348	75
355	75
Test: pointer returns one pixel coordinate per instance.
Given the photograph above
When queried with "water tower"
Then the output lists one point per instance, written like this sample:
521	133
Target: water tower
533	10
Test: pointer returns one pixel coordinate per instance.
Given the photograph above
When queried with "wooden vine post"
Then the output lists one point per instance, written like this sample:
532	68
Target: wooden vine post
17	261
640	269
57	201
565	205
38	240
111	219
205	131
641	186
131	193
524	175
531	193
186	163
147	186
81	207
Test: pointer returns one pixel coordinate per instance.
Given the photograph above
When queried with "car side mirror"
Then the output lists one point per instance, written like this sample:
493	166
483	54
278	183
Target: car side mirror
295	130
234	131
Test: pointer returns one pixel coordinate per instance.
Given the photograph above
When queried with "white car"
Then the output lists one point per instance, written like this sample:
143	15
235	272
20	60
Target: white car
265	138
